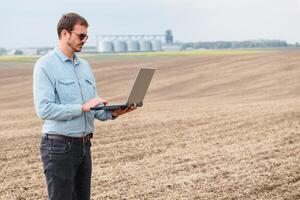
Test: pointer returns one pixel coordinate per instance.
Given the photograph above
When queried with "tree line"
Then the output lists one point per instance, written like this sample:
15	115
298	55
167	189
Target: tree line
238	44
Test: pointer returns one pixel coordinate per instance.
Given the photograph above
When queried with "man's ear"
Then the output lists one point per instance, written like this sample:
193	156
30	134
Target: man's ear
64	34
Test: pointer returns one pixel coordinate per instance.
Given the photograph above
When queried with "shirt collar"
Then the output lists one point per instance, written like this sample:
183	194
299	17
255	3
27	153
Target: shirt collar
64	58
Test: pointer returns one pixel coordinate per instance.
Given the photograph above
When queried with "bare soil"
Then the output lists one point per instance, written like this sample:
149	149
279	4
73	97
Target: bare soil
212	127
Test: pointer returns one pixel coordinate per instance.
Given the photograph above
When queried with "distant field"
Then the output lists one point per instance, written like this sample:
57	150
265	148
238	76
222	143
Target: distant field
140	55
18	58
215	125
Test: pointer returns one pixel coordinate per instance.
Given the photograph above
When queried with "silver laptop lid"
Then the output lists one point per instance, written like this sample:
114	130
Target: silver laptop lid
140	86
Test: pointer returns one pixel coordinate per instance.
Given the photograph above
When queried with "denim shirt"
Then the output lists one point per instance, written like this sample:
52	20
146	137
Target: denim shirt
60	87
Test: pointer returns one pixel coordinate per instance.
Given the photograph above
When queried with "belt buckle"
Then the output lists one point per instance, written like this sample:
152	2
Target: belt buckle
85	139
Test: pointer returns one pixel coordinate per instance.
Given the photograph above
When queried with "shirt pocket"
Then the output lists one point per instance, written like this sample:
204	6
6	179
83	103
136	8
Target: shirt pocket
67	91
89	89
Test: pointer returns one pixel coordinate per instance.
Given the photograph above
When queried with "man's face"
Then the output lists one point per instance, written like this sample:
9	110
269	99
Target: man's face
77	38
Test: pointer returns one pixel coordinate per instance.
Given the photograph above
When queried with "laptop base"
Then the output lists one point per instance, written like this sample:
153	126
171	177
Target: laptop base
115	107
110	108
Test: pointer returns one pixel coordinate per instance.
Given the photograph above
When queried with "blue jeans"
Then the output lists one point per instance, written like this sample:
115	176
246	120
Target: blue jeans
68	168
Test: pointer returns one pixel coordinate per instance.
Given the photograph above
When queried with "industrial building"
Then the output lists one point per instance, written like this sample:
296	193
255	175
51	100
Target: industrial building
134	43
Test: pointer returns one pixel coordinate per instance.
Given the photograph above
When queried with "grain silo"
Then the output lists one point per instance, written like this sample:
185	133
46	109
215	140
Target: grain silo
156	45
145	45
133	42
105	46
133	46
120	46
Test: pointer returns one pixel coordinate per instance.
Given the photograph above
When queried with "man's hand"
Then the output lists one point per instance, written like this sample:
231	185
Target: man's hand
119	112
91	103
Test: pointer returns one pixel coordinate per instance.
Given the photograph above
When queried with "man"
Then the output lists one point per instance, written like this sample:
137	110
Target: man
64	90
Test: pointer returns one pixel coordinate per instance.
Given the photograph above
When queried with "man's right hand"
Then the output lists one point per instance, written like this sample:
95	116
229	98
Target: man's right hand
91	103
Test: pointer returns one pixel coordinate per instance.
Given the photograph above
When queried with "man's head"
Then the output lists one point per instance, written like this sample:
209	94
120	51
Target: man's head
72	31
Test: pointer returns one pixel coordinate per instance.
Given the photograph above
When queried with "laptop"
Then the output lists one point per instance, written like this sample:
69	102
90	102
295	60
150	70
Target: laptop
137	92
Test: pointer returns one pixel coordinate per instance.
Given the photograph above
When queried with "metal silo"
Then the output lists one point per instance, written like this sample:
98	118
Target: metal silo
156	45
145	45
107	47
120	46
133	46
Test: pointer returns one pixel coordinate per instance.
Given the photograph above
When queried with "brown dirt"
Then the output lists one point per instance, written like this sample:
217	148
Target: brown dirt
213	127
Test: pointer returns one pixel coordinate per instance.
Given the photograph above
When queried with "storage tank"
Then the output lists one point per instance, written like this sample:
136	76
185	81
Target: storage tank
145	45
133	46
106	46
169	37
120	46
156	45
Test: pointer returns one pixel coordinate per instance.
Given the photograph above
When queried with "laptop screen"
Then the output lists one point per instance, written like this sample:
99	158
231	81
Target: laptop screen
140	86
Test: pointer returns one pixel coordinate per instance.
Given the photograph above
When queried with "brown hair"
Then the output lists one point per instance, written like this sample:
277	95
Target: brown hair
68	21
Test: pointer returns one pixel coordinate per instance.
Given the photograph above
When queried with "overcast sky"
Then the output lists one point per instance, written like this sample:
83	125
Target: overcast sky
32	23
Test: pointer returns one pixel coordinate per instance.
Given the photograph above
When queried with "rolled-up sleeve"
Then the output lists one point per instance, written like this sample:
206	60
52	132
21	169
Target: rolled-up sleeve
44	98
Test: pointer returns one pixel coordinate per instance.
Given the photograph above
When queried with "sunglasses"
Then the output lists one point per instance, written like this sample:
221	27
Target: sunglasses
81	36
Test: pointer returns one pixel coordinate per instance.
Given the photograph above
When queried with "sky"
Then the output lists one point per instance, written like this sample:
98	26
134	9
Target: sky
32	23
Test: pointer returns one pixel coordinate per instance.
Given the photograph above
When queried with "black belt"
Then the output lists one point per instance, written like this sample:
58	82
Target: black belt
84	139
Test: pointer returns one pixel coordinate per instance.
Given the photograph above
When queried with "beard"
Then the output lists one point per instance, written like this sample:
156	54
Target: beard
73	46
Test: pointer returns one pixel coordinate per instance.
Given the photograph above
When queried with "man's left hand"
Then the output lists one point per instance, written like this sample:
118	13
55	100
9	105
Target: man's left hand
119	112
